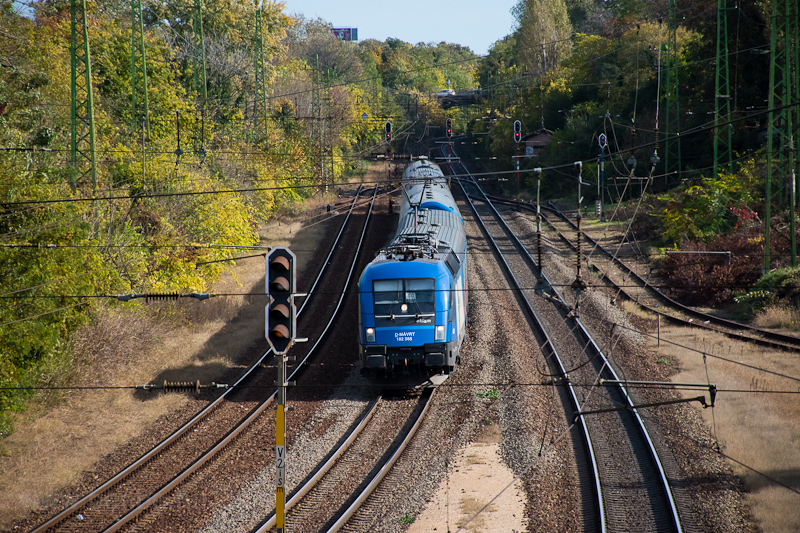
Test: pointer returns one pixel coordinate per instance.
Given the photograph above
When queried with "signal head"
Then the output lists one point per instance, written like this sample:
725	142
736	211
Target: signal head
281	316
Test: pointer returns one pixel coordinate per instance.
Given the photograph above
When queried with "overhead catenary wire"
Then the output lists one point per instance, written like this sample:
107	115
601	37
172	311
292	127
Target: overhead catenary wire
420	69
562	166
214	191
612	126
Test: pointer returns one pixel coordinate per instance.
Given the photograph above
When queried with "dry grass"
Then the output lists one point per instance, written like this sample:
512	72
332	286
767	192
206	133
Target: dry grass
752	420
469	508
633	309
778	316
124	346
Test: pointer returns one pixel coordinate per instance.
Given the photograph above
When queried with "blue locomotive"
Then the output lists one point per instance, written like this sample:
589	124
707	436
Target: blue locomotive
413	295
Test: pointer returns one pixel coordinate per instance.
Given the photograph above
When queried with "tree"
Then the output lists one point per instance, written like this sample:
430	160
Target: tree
334	60
542	34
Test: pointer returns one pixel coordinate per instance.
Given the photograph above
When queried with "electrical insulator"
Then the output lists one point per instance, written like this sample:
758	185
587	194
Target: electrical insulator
161	296
281	316
181	386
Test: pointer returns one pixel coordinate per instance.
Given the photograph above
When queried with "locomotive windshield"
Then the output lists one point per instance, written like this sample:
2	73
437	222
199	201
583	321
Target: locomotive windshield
404	297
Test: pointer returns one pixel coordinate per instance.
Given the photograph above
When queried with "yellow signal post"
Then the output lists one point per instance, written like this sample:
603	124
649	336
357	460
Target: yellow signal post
280	459
280	322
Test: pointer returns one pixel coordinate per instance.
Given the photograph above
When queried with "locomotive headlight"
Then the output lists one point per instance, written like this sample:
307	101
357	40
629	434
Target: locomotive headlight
404	308
370	335
439	336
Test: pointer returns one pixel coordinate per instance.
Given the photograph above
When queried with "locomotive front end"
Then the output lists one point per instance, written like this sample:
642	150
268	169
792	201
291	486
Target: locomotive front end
404	316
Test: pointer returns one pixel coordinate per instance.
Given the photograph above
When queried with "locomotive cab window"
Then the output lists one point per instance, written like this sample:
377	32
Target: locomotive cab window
404	296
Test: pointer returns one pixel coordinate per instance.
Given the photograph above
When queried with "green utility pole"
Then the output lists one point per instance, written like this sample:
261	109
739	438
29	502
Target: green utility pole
329	136
317	131
199	53
260	111
723	157
139	103
82	150
672	121
782	120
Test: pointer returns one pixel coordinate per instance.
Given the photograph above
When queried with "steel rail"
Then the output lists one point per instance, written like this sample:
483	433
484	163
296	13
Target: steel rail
346	283
547	347
271	522
783	340
335	242
382	473
320	473
245	423
180	432
667	489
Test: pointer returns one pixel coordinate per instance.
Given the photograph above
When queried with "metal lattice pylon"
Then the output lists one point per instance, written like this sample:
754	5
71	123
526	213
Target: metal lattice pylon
723	155
199	53
140	106
82	150
782	121
317	90
672	122
260	111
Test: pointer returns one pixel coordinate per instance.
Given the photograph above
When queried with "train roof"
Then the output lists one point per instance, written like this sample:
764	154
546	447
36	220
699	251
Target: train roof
430	226
422	168
445	227
432	194
434	235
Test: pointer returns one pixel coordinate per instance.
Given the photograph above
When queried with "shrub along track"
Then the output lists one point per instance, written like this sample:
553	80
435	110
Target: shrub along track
114	498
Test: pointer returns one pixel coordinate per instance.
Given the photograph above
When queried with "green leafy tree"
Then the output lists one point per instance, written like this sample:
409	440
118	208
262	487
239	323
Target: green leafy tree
332	59
543	34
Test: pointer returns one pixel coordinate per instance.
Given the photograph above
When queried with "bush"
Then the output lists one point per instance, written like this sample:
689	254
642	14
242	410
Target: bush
712	280
780	286
643	224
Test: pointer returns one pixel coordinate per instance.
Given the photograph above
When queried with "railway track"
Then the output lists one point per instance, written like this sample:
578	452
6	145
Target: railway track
130	494
339	487
626	486
626	282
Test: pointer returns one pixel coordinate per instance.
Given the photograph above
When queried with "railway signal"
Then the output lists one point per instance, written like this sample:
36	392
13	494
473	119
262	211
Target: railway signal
388	129
449	128
517	131
281	322
281	313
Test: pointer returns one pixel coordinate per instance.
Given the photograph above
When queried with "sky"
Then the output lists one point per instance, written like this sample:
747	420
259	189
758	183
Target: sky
476	24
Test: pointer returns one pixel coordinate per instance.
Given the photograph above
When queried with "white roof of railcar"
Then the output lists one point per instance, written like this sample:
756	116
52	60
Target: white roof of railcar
443	226
422	169
434	191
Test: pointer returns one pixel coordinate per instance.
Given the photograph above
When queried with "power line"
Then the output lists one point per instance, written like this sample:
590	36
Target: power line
16	296
619	153
42	314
